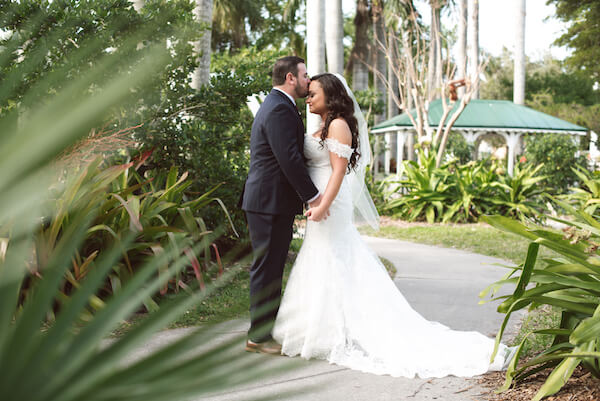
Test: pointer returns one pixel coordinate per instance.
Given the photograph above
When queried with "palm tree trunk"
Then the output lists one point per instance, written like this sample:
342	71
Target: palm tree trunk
434	65
334	34
461	56
474	45
519	77
315	49
360	52
203	14
379	59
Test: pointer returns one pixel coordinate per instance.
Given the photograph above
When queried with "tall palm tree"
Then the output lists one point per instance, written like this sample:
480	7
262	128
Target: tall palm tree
461	52
203	14
379	56
230	19
334	34
474	44
519	77
315	49
434	68
360	51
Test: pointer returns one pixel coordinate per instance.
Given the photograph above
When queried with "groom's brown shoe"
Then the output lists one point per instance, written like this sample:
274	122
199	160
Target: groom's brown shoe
268	347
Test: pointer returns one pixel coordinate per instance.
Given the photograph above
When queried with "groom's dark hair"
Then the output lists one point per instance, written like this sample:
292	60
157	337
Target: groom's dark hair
283	66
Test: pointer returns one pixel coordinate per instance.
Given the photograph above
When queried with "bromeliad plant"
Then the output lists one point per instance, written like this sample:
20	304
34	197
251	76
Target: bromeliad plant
587	194
155	208
570	282
462	193
519	195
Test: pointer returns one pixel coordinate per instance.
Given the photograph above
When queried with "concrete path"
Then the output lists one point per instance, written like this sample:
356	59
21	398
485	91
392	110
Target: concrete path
442	284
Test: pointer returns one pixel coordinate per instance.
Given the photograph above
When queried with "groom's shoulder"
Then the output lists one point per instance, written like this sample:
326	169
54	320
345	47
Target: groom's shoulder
273	101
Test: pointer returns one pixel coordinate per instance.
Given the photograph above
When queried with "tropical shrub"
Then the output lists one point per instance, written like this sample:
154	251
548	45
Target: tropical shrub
519	195
70	358
570	282
586	195
461	193
558	153
155	207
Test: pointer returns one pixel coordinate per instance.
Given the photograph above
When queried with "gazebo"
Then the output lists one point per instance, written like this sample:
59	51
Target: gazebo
479	119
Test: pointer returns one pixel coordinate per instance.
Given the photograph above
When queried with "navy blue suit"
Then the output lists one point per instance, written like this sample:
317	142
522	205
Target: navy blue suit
277	186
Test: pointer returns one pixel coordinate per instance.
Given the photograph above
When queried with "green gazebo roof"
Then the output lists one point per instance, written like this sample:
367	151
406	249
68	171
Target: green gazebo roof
479	114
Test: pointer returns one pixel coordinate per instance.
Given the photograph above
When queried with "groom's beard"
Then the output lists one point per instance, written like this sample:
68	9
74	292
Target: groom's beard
301	91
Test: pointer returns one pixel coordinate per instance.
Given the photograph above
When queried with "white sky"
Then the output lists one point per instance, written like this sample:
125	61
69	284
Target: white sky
496	26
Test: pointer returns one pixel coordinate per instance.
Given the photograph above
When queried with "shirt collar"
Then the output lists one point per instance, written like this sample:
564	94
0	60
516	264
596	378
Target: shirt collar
287	94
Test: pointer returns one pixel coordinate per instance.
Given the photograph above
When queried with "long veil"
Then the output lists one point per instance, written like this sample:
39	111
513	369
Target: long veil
364	208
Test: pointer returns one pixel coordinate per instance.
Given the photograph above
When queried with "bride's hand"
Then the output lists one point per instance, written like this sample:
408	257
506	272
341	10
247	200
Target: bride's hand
317	213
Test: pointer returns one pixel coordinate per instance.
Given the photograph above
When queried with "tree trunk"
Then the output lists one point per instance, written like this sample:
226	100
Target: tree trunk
434	65
474	45
379	59
334	34
360	52
519	77
203	14
461	56
315	50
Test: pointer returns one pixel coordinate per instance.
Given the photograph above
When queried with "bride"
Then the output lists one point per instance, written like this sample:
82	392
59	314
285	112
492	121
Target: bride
339	303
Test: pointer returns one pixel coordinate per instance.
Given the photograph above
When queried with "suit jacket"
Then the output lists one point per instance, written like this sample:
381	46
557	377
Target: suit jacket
278	181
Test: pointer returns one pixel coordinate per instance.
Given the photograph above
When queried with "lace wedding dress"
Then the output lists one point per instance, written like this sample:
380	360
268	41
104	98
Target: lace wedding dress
341	305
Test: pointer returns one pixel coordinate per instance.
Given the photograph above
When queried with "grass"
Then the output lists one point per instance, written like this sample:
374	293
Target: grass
544	317
229	302
477	238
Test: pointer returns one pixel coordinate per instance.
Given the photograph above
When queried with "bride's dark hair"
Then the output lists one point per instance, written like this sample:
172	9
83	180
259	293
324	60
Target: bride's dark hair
339	104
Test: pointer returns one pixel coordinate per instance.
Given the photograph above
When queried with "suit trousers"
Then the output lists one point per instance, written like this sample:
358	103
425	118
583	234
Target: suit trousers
270	235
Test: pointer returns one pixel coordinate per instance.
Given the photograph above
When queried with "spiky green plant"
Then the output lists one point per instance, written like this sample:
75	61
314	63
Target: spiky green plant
570	282
69	359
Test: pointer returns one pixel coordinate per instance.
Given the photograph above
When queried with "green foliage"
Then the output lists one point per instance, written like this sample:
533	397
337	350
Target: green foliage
548	76
204	132
585	116
208	133
557	152
155	207
70	359
583	17
570	282
461	193
457	147
586	196
370	103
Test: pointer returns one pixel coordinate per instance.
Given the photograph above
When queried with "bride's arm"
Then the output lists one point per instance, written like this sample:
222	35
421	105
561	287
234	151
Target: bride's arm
338	130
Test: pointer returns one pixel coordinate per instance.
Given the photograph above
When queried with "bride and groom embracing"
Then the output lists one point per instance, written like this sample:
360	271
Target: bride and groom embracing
339	303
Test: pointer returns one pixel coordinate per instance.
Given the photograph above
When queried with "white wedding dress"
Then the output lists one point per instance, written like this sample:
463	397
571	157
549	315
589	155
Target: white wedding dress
341	305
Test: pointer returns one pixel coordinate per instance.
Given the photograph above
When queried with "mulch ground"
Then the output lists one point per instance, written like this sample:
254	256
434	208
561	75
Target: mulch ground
582	386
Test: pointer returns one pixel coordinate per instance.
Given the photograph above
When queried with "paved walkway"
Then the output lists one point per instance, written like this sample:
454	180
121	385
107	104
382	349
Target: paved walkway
442	284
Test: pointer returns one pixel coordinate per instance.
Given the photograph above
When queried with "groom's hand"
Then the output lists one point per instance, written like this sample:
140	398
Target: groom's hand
316	202
313	205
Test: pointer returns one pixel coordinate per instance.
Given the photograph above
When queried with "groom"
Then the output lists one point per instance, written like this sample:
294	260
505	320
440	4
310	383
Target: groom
277	186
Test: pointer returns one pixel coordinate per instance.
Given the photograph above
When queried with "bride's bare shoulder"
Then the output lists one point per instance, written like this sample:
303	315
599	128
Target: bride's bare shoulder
339	129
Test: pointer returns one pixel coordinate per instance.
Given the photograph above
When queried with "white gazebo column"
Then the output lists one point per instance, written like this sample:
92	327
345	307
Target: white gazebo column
388	153
512	142
594	152
400	142
315	50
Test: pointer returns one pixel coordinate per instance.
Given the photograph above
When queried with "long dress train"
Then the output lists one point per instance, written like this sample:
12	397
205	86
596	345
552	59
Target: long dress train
341	305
